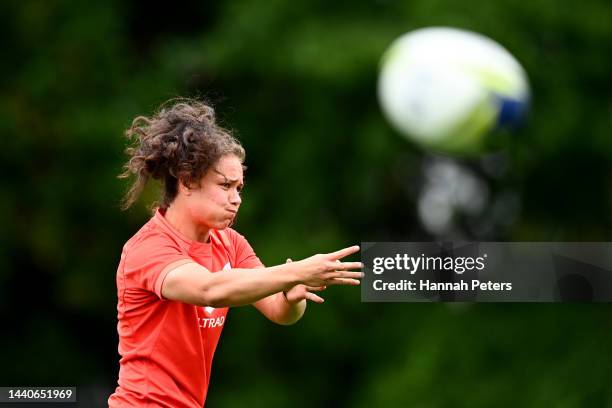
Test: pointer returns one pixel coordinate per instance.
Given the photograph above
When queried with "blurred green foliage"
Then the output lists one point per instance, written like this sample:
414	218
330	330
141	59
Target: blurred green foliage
296	81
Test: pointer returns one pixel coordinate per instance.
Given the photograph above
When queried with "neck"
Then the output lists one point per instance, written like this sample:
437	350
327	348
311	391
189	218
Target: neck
179	219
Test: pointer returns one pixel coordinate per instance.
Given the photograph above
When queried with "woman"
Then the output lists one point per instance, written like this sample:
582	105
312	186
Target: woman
179	274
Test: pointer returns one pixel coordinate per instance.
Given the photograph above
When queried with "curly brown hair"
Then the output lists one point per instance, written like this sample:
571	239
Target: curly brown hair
179	143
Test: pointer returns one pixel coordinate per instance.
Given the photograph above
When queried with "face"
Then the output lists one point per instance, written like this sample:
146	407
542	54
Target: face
215	203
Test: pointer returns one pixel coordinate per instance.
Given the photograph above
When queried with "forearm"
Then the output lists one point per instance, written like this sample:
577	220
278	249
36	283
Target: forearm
278	310
236	287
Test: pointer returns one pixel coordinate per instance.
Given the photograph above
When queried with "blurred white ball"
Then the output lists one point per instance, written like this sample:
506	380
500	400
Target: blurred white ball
447	88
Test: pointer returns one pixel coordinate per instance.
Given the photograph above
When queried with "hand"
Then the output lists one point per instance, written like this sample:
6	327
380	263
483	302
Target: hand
327	269
301	292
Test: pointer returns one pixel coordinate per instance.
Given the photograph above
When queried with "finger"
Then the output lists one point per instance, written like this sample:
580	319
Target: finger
346	274
314	298
339	266
344	252
343	281
315	288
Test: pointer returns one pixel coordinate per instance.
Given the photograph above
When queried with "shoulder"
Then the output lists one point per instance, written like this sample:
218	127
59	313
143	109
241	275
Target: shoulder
149	239
146	256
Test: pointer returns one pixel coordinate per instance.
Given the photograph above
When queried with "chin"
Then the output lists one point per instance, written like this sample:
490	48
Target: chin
223	225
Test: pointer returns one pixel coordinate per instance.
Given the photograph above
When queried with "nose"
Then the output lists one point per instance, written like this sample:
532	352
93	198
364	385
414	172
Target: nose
235	198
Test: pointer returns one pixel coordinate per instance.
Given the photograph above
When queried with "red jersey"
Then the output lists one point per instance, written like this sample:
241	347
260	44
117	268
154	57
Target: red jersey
166	346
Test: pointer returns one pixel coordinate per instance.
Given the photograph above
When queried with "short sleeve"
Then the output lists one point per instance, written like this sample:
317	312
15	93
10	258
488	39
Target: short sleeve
244	254
146	261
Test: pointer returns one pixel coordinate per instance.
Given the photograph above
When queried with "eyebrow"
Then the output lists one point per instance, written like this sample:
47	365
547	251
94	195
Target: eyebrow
228	180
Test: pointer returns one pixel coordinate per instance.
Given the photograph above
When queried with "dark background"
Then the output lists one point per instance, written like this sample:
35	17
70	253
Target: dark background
296	82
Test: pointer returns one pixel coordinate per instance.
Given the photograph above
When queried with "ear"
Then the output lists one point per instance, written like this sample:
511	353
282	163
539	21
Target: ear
183	188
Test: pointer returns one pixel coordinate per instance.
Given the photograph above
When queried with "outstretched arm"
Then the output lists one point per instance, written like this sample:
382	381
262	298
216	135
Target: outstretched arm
192	283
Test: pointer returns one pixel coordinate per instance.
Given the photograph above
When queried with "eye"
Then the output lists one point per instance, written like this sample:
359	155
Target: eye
225	185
